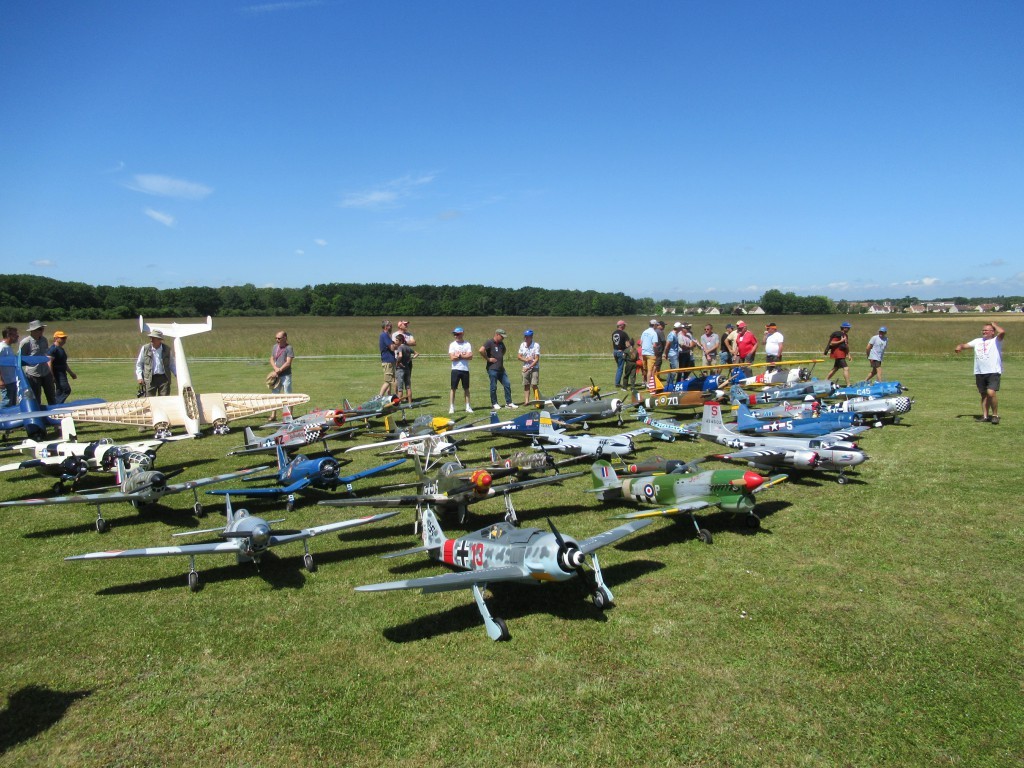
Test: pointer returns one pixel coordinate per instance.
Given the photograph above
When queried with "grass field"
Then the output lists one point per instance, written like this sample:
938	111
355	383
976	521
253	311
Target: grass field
876	623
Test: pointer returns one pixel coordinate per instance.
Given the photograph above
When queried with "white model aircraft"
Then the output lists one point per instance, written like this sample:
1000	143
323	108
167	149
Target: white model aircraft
188	408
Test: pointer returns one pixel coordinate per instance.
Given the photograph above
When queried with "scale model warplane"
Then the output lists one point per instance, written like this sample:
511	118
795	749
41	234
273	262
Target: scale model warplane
291	436
765	452
683	494
585	445
503	552
28	413
246	536
139	486
841	425
188	408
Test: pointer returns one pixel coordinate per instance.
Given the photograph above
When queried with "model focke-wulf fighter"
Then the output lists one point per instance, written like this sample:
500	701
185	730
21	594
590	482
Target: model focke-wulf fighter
502	552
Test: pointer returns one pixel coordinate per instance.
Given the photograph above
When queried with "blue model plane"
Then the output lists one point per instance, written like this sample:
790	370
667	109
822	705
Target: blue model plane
874	389
527	425
29	413
804	426
299	473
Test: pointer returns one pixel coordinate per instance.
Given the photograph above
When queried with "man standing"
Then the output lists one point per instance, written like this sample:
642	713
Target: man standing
876	349
729	345
387	358
529	356
687	345
648	340
773	341
709	344
39	376
8	376
281	357
619	339
988	368
154	366
59	366
493	351
403	328
838	348
746	344
460	352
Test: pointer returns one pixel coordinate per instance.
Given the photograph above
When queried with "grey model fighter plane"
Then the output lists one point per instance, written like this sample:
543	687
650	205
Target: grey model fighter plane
765	452
140	486
503	552
585	445
245	535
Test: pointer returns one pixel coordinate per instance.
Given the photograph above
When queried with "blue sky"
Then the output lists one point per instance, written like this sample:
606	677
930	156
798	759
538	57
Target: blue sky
682	150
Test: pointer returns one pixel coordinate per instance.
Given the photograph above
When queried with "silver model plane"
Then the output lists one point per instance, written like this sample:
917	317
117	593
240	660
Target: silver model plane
245	535
502	552
585	445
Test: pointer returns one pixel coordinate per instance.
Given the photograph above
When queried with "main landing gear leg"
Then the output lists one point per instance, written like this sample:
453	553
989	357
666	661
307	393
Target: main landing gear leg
510	511
496	629
702	533
603	597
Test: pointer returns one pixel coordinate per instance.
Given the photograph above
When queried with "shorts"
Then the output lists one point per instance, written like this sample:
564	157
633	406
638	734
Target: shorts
987	381
772	358
404	378
875	364
840	363
460	377
389	372
531	378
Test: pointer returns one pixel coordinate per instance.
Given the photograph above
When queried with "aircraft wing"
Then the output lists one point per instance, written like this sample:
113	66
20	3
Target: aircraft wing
183	549
31	463
610	537
388	501
519	485
136	412
690	504
317	530
241	405
76	498
422	438
844	434
450	581
190	484
370	471
752	454
773	480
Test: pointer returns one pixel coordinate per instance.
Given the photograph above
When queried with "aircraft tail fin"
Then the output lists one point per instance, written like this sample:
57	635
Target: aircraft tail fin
67	430
606	480
711	423
388	425
250	437
430	529
545	426
744	418
121	473
346	405
176	330
282	458
228	511
495	456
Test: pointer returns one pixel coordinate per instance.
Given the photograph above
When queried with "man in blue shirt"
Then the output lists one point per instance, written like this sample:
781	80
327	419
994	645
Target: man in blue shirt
387	358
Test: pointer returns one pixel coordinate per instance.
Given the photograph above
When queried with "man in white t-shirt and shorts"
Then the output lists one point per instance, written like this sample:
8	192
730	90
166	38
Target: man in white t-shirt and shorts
460	352
988	368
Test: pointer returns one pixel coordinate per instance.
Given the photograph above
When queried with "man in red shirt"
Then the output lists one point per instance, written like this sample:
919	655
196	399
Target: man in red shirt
746	343
838	348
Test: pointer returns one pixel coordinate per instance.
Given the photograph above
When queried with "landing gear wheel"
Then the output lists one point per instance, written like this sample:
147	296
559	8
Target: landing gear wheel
290	506
198	509
842	480
193	581
753	522
704	535
505	636
58	487
307	560
220	427
102	526
602	599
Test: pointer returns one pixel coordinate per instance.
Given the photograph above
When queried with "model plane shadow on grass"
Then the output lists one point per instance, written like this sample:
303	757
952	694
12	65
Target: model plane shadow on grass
717	522
562	602
32	710
155	513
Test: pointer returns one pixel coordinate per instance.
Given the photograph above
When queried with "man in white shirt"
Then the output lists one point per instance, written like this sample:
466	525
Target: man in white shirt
155	366
772	345
460	352
529	356
988	368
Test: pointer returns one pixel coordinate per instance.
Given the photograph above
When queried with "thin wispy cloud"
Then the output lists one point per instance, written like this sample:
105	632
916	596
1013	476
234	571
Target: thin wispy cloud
165	186
287	5
44	263
995	263
386	195
164	218
321	242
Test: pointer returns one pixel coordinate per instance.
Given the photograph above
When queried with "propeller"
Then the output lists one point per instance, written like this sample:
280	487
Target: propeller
73	468
569	557
329	468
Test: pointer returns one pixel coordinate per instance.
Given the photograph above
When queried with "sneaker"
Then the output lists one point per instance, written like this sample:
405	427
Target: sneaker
451	409
981	418
468	409
511	405
994	419
496	407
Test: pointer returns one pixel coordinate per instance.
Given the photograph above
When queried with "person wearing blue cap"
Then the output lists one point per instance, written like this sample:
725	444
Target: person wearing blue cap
875	350
529	356
460	352
838	348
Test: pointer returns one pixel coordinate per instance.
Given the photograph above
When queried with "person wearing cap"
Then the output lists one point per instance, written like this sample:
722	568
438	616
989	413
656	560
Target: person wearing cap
988	368
773	341
672	352
493	351
59	366
387	358
838	348
729	344
8	376
460	352
876	350
746	344
154	366
529	356
404	355
403	328
619	339
39	375
687	345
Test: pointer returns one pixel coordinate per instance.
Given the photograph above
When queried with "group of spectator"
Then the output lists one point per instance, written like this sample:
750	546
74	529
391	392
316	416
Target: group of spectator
49	378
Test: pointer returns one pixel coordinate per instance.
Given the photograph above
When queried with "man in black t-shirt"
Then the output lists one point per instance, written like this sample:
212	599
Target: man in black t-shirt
493	351
619	340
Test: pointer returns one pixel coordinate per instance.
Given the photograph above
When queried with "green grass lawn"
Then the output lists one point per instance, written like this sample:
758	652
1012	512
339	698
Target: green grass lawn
876	623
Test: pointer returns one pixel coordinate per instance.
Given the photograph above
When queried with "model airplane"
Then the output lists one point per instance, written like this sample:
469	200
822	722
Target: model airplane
382	405
421	425
69	461
872	389
299	473
138	485
188	408
291	436
28	413
589	408
668	430
569	395
502	552
683	494
764	452
883	408
454	488
792	372
525	425
813	388
585	445
525	463
246	536
840	425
